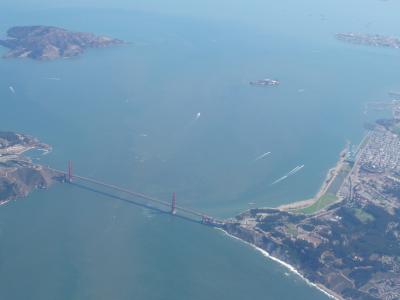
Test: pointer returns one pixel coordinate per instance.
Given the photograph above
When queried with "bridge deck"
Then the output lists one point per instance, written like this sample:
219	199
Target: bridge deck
204	217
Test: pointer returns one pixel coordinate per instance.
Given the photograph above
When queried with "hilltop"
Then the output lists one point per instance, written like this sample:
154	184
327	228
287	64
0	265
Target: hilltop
18	174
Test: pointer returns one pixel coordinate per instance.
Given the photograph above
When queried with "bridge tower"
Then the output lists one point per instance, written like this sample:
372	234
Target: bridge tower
173	204
69	174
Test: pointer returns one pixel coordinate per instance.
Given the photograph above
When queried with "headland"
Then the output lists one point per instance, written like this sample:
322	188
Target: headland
18	174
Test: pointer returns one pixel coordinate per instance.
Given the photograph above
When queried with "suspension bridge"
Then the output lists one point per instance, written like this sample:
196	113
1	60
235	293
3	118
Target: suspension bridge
168	206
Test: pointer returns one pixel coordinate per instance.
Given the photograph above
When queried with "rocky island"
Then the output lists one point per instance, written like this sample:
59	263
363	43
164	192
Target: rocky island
347	239
49	43
18	174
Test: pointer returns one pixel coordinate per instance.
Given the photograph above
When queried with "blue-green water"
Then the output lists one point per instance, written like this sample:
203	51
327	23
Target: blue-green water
127	115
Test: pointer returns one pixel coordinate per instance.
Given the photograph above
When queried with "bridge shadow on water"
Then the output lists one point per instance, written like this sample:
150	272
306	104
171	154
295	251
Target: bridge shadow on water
135	203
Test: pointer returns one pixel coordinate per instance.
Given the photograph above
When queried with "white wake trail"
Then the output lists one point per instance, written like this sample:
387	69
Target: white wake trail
294	170
279	180
297	170
290	173
262	156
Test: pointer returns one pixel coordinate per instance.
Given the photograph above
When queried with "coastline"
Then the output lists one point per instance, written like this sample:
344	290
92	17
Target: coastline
332	173
329	178
292	269
326	243
296	205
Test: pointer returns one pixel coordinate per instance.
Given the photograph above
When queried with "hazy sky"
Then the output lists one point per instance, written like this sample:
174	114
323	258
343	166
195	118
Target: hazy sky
226	8
374	16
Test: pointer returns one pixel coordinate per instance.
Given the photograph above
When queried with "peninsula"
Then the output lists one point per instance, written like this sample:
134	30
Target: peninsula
347	239
18	174
50	43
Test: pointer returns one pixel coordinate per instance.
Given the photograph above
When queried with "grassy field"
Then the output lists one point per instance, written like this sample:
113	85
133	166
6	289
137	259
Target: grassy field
363	216
321	203
339	179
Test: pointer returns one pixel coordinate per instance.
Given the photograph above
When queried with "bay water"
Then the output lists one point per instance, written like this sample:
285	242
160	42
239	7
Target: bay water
172	111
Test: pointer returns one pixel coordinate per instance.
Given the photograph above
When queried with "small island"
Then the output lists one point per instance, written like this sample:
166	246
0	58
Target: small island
50	43
18	174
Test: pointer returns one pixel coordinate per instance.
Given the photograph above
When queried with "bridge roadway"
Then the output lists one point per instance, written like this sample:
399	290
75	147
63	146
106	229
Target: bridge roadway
204	217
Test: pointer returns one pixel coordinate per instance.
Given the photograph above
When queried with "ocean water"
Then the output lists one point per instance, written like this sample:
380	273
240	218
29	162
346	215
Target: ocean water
127	115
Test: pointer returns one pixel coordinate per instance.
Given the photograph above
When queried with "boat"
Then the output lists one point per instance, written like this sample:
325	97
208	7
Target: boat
265	82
